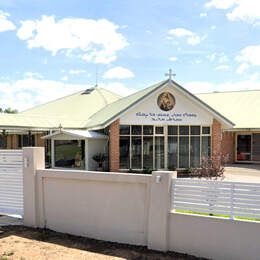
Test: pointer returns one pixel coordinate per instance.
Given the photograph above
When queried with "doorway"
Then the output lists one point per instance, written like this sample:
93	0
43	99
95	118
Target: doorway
244	148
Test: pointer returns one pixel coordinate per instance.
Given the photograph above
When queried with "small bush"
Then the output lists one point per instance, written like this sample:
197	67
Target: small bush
211	167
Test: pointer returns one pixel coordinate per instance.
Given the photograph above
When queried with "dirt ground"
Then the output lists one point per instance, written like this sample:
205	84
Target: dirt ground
19	242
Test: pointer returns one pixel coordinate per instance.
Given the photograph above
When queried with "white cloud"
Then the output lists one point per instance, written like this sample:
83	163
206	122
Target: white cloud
220	57
191	37
212	56
30	75
213	27
25	93
5	24
64	78
243	10
118	73
224	67
250	55
76	71
204	87
203	15
95	41
220	4
173	58
118	88
242	68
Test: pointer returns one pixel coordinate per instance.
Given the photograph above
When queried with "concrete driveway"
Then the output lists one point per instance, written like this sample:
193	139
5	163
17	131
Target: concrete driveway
242	172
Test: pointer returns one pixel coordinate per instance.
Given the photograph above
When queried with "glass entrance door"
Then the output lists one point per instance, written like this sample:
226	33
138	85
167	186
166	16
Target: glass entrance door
244	147
159	152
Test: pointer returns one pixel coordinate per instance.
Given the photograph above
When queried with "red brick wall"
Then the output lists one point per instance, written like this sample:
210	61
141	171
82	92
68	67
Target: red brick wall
39	141
216	141
11	142
114	146
228	146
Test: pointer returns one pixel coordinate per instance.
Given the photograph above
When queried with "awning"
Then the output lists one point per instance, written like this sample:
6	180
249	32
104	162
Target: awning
78	134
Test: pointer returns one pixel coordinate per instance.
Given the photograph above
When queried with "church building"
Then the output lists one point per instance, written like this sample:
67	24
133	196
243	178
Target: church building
163	126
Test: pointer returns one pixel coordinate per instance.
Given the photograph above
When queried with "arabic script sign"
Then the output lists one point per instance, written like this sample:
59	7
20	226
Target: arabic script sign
166	117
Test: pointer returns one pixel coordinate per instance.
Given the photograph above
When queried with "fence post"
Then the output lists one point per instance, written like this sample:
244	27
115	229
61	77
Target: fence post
33	159
160	205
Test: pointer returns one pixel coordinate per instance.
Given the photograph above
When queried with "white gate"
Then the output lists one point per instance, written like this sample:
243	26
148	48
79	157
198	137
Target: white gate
11	182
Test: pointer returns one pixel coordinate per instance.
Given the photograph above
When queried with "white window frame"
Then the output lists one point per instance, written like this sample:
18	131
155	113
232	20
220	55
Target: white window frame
165	135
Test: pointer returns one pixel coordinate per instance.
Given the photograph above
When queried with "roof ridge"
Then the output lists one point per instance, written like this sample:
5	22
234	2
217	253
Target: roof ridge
230	91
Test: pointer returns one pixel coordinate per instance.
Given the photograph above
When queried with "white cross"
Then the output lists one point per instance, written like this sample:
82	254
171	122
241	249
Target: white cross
170	74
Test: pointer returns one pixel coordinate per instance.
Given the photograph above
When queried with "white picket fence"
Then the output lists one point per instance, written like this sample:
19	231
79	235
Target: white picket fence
11	182
233	199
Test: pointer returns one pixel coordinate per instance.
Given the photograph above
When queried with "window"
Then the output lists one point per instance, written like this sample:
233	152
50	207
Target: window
26	140
69	153
124	152
162	147
2	141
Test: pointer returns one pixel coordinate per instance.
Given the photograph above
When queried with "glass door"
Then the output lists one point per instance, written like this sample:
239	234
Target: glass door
159	148
244	147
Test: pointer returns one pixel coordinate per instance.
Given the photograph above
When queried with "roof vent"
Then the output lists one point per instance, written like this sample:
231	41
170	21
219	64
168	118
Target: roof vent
87	91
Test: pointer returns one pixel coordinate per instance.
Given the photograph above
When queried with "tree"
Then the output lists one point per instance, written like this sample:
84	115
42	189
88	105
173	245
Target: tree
8	110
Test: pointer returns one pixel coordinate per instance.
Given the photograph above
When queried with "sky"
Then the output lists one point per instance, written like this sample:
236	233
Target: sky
50	49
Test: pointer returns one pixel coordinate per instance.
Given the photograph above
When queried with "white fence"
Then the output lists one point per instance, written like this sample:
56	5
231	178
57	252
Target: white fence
11	182
233	199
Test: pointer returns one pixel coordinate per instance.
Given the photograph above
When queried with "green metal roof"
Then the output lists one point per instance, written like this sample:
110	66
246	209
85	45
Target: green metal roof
105	115
101	107
71	111
77	106
241	107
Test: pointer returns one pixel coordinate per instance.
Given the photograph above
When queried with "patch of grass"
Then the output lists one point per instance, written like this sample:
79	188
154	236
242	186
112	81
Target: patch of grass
5	255
216	215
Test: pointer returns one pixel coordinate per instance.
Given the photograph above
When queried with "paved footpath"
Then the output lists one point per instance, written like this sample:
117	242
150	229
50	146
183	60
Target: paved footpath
8	220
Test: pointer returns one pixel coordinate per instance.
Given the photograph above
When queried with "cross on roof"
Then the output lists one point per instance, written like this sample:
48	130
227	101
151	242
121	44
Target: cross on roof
170	74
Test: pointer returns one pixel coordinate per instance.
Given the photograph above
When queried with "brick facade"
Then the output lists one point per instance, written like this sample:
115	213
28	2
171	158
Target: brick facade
114	146
228	146
39	141
11	142
216	141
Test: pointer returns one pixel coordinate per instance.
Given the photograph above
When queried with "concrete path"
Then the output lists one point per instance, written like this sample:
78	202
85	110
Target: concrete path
242	172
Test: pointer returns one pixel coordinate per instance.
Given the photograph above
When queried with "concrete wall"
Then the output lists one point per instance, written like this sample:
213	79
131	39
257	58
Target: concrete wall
119	207
128	208
214	238
99	205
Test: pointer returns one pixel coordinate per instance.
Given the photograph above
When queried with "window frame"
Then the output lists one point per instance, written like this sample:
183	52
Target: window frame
166	136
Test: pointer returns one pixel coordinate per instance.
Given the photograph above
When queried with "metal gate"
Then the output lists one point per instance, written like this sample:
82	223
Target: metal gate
11	182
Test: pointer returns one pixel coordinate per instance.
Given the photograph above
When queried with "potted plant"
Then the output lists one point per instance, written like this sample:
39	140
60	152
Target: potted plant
99	158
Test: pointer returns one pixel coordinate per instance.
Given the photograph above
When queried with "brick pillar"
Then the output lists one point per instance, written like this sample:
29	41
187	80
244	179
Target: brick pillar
228	146
39	140
8	142
15	142
216	141
114	146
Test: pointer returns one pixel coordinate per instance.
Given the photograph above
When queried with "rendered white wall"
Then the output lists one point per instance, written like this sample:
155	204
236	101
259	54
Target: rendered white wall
183	106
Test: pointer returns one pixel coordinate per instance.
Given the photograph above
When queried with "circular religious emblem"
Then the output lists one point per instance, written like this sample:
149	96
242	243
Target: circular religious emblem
166	101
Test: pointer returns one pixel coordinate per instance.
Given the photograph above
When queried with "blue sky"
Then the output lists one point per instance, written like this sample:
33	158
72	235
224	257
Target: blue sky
53	48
